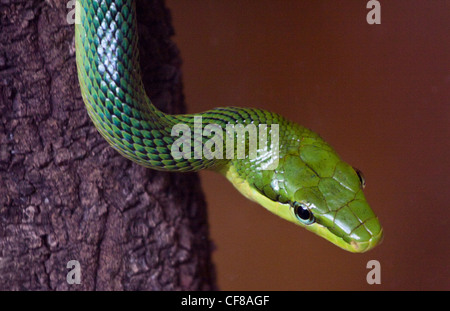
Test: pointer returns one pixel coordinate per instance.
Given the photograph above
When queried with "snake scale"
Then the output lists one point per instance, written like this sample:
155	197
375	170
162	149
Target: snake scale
308	185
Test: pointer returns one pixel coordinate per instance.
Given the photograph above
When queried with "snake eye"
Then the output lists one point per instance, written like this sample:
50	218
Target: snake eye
303	213
362	180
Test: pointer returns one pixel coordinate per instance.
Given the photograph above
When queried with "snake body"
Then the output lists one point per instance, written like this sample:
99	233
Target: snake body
310	186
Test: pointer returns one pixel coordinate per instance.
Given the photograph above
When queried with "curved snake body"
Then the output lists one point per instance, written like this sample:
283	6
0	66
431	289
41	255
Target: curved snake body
310	185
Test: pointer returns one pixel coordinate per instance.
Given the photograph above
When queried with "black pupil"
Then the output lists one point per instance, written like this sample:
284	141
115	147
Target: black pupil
303	213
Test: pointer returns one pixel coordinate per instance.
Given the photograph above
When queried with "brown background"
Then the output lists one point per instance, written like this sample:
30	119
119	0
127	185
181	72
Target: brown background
378	93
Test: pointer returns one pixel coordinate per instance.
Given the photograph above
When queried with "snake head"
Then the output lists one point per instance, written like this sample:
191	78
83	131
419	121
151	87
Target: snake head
333	205
325	195
312	187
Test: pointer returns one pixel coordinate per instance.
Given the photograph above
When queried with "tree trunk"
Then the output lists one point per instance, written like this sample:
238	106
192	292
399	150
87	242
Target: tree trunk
64	193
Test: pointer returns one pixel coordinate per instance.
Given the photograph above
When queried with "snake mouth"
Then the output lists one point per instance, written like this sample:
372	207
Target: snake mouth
364	246
346	243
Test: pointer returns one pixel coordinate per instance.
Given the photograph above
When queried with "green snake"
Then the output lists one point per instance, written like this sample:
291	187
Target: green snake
309	185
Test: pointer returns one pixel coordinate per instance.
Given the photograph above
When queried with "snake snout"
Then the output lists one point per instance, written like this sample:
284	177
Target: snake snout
361	246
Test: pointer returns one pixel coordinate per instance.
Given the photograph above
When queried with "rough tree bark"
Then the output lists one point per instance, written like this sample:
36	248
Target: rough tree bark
64	193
